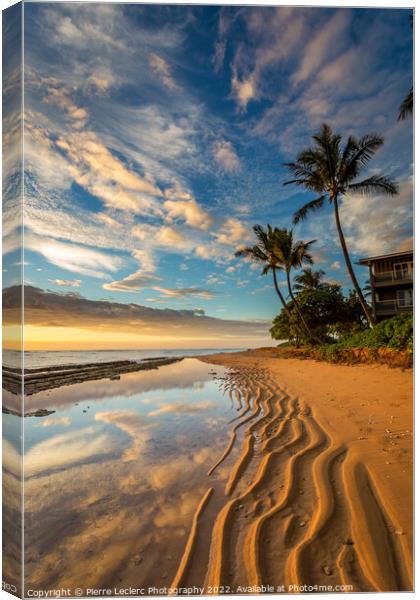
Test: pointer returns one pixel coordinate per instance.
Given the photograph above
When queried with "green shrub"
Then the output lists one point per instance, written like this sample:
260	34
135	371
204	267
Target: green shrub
395	333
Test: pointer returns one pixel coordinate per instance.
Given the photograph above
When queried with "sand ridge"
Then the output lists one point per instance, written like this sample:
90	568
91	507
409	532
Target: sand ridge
306	500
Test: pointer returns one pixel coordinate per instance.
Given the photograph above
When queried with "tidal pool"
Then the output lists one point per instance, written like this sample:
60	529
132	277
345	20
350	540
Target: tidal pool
113	477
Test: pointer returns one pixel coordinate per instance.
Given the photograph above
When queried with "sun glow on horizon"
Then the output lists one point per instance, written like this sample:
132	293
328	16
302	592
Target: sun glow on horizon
73	338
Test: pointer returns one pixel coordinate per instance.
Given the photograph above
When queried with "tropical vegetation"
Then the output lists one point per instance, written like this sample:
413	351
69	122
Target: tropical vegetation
316	311
327	310
394	334
330	169
276	250
309	279
266	253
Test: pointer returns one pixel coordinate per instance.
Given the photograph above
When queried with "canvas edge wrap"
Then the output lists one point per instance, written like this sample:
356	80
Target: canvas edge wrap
13	260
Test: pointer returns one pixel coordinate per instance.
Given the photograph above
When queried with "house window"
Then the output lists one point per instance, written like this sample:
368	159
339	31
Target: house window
402	270
405	298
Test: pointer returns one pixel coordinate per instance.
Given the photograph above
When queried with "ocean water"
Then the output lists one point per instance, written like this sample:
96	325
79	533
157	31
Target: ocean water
34	359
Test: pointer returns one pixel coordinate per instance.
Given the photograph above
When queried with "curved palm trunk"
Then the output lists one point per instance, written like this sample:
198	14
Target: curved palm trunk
296	305
280	295
359	292
283	301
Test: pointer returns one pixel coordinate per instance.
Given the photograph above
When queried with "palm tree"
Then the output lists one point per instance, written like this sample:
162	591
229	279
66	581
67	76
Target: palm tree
309	280
293	255
406	106
329	170
265	251
367	288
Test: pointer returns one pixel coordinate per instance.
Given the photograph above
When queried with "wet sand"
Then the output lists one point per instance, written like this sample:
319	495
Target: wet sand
321	490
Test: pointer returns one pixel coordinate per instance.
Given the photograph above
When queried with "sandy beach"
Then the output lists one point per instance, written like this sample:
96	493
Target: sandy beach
321	493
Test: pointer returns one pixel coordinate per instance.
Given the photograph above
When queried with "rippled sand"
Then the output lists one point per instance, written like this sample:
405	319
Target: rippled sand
321	491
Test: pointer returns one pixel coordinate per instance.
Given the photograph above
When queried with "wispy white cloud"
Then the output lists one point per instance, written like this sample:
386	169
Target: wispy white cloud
54	421
100	80
77	31
185	292
188	211
276	32
233	232
71	257
376	227
329	38
173	239
244	89
67	282
132	283
163	71
225	154
105	176
182	408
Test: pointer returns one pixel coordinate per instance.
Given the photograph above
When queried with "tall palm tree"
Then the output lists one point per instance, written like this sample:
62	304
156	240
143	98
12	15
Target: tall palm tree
309	280
265	251
329	169
293	255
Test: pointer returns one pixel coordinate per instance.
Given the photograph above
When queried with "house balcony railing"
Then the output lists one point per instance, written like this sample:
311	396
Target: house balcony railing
392	306
393	277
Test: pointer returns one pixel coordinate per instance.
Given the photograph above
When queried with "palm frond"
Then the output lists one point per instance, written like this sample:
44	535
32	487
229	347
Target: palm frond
309	279
406	106
329	149
309	206
300	253
299	169
243	252
254	253
311	157
375	184
261	234
361	153
306	174
349	149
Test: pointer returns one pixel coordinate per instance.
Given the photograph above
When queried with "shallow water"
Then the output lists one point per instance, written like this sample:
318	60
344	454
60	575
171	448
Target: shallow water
114	476
52	358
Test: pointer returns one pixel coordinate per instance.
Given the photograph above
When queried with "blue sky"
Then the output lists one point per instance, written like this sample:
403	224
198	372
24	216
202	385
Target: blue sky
155	137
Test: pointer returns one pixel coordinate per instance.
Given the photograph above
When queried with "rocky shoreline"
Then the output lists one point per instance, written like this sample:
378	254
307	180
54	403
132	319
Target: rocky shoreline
42	379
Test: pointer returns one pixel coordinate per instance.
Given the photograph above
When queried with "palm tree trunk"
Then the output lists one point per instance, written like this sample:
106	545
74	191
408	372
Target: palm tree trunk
350	266
280	295
283	301
296	305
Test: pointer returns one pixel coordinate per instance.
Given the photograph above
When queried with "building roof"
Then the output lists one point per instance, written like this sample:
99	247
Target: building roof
366	261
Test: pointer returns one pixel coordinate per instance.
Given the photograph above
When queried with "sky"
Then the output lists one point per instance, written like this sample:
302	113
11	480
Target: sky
155	138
